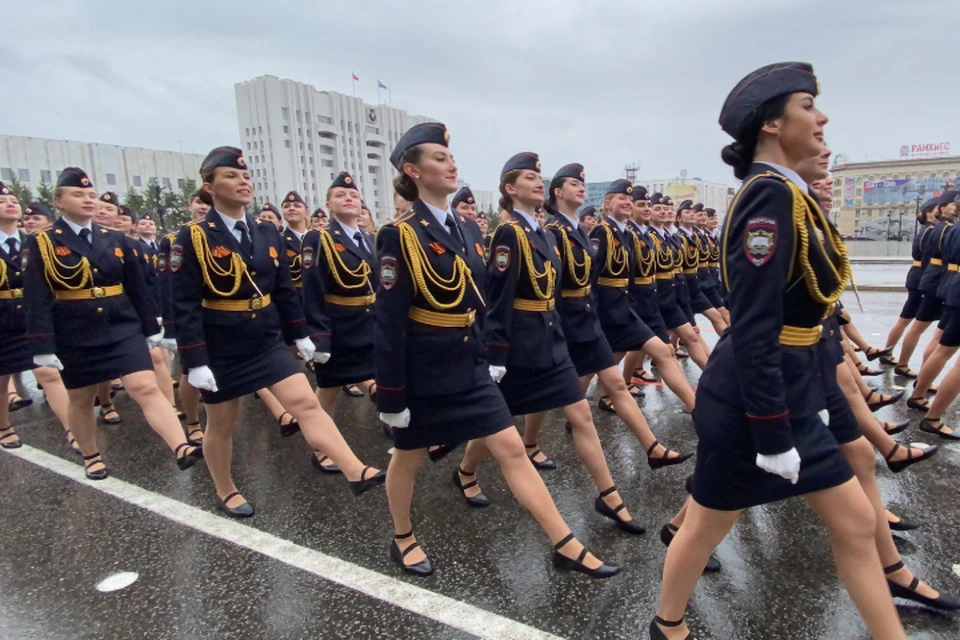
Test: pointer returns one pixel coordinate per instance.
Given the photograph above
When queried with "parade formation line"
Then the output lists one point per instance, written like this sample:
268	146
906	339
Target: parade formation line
423	602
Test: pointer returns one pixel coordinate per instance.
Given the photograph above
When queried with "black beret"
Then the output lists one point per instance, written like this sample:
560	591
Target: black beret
75	177
640	193
620	186
572	170
126	211
269	207
319	213
698	207
110	198
423	133
686	204
463	195
224	157
710	212
146	216
293	196
929	205
526	161
344	180
667	201
5	190
656	198
35	208
949	196
763	85
588	211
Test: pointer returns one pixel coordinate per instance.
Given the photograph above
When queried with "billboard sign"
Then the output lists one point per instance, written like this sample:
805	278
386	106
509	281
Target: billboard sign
929	150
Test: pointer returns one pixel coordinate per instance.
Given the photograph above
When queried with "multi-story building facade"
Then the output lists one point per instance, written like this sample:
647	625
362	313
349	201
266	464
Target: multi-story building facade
33	161
296	137
711	194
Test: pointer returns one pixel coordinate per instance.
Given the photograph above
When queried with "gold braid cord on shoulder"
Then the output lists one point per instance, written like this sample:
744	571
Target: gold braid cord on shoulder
422	272
543	293
76	277
335	262
208	264
614	256
804	209
572	264
645	266
3	272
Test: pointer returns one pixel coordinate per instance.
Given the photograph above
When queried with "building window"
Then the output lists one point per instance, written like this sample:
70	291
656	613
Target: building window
260	131
370	129
45	175
285	113
166	182
23	175
181	183
325	149
286	129
248	130
286	143
313	174
326	163
6	174
137	182
261	146
311	159
248	146
112	179
298	115
858	213
299	131
324	120
309	146
308	133
301	146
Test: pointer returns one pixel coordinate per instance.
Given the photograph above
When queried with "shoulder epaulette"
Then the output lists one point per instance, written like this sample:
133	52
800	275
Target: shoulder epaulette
193	223
403	218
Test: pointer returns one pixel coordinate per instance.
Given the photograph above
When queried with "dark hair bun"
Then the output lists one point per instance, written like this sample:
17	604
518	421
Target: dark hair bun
738	157
406	187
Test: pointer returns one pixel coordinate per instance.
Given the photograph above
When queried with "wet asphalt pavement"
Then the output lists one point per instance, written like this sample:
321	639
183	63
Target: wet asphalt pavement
60	537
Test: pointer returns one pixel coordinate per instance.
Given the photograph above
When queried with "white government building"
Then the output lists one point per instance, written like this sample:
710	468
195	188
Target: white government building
111	167
295	137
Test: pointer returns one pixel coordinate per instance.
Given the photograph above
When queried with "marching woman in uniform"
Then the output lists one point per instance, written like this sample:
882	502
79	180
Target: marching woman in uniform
88	310
108	217
233	297
14	347
434	384
759	397
589	350
526	343
338	291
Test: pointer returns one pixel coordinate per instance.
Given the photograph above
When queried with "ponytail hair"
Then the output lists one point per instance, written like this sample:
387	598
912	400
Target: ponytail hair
404	184
510	177
550	205
739	154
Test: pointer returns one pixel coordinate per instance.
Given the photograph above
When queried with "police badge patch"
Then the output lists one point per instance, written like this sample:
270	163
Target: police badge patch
595	244
161	262
176	257
501	257
388	272
306	257
760	240
23	259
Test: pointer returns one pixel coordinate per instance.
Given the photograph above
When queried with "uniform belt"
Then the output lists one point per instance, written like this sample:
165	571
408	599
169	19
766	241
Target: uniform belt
952	267
10	294
298	284
917	263
800	336
89	294
937	262
238	305
521	304
690	272
356	301
643	280
665	276
575	293
713	265
617	283
448	320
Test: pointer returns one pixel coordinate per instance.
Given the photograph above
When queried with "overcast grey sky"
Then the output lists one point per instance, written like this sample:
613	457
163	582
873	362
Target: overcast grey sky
602	83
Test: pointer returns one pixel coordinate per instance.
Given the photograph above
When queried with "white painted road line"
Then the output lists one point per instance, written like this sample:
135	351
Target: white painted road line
397	593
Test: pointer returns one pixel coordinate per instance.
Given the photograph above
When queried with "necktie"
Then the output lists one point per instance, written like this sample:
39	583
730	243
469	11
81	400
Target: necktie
85	234
12	246
452	228
246	247
358	237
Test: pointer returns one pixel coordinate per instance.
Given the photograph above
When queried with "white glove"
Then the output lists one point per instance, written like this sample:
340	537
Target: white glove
497	373
160	321
48	360
398	420
305	349
202	378
170	345
321	357
154	341
786	465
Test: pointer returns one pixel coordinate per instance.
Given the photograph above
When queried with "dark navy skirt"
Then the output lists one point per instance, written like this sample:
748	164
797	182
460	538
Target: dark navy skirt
713	295
700	303
534	390
15	353
673	317
628	337
345	366
658	326
87	366
591	357
263	366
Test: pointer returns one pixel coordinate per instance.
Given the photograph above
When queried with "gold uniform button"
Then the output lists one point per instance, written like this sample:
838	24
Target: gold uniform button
16	273
253	315
95	270
588	306
99	309
550	324
253	273
466	338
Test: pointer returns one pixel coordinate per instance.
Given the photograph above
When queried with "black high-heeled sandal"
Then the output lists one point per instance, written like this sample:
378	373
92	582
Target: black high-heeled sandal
905	372
245	510
882	402
604	404
659	463
15	402
106	410
889	360
478	500
439	452
73	443
9	439
601	507
941	602
187	460
290	428
656	633
899	465
866	371
89	461
928	426
873	353
317	463
668	531
563	563
365	484
893	428
544	465
191	433
422	569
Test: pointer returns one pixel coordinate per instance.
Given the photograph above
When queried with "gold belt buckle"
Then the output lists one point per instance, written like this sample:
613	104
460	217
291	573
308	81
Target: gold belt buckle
256	303
471	318
18	293
98	292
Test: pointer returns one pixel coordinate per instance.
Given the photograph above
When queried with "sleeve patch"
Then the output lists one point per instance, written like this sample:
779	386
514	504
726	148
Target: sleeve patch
388	272
760	240
307	257
595	244
176	257
501	257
